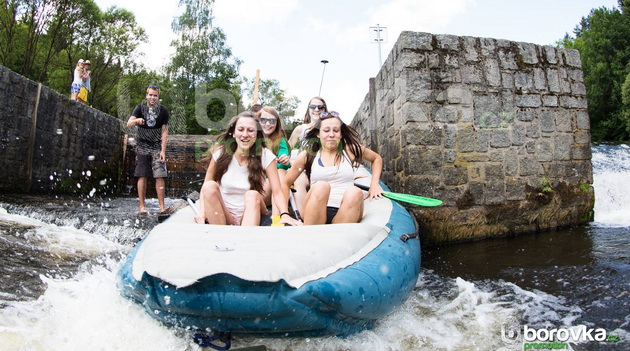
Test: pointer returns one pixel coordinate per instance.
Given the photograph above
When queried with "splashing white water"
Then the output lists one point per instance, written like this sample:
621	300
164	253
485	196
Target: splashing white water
86	312
83	313
611	171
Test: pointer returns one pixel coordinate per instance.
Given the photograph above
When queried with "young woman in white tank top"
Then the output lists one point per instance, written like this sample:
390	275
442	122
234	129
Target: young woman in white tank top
330	159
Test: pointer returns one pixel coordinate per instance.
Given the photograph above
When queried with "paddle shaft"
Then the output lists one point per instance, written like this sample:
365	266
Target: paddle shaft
193	206
366	188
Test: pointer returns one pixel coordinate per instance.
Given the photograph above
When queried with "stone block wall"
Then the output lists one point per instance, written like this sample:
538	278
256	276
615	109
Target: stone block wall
498	130
50	143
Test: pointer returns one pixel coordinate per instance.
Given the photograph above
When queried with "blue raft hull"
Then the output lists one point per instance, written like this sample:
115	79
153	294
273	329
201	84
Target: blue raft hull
347	301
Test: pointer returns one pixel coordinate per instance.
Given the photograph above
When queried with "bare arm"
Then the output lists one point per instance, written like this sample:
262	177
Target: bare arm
164	139
377	167
135	121
294	172
295	136
278	191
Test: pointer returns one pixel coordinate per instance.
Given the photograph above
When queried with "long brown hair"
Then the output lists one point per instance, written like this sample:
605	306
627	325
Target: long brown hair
307	116
227	144
350	141
278	133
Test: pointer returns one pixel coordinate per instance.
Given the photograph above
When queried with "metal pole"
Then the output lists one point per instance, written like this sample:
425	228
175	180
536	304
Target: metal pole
256	86
381	37
378	39
322	82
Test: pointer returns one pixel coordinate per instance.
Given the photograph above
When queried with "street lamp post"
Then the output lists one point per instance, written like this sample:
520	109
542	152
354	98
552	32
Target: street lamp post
381	37
322	82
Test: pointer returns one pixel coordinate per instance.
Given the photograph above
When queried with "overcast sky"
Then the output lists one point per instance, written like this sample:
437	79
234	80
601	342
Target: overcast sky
288	39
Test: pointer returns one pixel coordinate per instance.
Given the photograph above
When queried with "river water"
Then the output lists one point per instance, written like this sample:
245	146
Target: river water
59	256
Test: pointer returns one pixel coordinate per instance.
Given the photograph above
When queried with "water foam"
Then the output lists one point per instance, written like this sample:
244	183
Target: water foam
83	313
611	171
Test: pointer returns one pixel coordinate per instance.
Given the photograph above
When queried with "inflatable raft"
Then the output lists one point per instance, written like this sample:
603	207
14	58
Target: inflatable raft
334	279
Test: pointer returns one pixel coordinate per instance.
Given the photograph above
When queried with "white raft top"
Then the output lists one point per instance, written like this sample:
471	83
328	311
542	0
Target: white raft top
180	251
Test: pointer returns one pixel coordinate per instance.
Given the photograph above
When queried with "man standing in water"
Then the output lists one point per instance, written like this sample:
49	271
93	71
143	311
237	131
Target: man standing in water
152	132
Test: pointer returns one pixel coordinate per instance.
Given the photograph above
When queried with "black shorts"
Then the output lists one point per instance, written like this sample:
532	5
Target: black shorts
150	165
331	212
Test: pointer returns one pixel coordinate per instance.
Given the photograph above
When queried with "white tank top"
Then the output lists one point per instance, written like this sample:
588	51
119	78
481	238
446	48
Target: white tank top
340	177
77	77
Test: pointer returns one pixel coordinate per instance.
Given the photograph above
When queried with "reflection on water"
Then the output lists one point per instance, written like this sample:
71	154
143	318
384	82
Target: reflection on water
503	257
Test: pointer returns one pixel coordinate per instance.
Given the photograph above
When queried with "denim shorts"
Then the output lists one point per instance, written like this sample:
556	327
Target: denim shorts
75	88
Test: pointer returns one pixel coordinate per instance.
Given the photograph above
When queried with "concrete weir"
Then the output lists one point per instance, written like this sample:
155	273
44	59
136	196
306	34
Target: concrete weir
498	130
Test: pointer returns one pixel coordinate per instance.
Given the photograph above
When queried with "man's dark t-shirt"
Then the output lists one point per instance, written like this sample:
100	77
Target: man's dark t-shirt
149	134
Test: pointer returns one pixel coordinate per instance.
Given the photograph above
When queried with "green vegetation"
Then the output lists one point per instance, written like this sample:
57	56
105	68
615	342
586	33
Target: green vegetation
270	94
546	186
42	40
584	186
603	39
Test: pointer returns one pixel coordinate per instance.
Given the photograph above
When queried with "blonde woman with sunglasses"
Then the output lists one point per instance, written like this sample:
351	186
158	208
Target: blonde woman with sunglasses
276	141
332	155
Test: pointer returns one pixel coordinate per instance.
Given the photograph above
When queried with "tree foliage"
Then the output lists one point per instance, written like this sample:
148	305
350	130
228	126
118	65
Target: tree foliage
603	39
270	94
43	39
201	57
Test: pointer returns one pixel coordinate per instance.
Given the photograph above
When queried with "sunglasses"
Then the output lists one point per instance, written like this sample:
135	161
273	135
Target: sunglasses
271	121
154	87
330	114
319	107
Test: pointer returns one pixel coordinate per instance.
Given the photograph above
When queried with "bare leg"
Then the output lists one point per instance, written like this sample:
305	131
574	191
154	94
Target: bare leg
300	184
314	209
142	190
267	192
274	206
253	203
214	210
160	189
351	208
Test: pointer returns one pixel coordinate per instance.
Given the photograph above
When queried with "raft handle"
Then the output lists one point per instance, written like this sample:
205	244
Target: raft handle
205	340
408	236
415	234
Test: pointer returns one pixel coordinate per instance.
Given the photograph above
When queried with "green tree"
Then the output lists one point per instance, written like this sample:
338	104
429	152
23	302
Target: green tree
43	39
201	57
33	33
271	94
112	46
603	39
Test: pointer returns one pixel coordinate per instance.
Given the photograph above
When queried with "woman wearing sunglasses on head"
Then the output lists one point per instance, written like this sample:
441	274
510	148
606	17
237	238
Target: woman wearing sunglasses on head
316	106
331	157
276	141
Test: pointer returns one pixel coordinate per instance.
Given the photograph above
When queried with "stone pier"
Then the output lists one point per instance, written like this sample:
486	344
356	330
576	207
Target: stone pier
498	130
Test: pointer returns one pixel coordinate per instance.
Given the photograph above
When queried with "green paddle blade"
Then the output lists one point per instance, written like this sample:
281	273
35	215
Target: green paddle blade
412	199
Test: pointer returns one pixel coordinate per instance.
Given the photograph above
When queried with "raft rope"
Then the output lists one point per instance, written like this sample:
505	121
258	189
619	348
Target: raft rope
205	340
